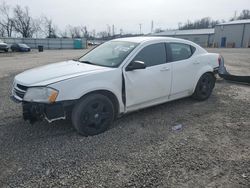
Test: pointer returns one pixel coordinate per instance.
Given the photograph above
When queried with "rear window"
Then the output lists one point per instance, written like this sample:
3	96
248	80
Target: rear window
181	51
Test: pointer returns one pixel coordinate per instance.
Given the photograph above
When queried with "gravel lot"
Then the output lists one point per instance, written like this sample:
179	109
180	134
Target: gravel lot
141	150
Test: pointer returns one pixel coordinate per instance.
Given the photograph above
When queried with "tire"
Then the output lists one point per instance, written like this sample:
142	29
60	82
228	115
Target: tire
93	115
204	87
6	50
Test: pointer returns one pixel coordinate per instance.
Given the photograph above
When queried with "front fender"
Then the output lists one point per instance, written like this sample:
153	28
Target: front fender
75	88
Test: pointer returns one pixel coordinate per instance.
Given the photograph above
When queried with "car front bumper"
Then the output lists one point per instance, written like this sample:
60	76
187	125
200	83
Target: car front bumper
4	48
51	112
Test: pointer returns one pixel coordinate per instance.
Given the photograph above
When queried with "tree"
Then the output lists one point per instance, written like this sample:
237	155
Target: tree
102	34
158	30
245	14
23	22
74	31
49	28
63	34
6	21
1	31
199	24
84	31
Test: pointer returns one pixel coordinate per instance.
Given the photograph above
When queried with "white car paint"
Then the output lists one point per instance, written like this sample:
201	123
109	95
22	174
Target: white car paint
143	88
3	45
56	72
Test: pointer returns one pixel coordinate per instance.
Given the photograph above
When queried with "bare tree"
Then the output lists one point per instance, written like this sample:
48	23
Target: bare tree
63	34
1	31
6	21
84	31
245	14
49	28
199	24
74	31
23	22
103	34
92	34
158	30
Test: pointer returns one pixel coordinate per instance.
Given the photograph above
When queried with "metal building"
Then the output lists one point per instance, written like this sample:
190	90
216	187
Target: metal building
233	34
203	37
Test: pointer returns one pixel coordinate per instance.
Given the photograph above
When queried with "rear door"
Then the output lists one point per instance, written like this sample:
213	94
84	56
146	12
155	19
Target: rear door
146	86
185	68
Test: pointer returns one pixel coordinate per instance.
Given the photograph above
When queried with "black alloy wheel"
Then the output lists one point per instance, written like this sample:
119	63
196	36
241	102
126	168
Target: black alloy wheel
204	87
93	115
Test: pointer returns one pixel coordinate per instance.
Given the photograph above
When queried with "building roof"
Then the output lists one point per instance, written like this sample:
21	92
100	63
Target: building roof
236	22
185	32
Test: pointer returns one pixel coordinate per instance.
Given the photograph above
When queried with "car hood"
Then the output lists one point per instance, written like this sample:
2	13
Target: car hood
3	44
56	72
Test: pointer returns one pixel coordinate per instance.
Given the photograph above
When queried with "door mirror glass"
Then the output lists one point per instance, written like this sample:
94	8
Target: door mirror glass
136	65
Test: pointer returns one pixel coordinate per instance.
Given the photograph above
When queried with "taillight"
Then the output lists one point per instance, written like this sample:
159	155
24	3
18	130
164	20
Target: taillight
219	60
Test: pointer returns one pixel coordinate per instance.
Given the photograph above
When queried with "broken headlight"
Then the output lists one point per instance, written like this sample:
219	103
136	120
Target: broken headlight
41	94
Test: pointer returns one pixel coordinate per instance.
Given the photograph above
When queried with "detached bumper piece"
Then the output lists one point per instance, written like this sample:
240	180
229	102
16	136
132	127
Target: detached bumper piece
227	76
37	111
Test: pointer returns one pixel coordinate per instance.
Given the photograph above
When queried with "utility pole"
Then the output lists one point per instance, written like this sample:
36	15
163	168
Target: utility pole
108	30
140	28
152	26
113	30
235	15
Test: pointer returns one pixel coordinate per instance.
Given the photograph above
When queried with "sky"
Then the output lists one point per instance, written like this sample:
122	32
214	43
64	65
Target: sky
128	14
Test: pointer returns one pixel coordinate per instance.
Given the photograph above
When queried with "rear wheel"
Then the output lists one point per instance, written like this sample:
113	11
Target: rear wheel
204	87
93	115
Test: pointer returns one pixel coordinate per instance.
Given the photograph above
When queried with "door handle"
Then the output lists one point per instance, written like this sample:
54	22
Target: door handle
165	69
196	62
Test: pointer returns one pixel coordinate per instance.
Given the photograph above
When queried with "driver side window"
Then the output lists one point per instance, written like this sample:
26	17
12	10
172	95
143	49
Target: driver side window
154	54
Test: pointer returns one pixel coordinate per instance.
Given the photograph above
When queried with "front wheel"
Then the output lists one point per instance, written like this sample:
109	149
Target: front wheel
204	87
93	115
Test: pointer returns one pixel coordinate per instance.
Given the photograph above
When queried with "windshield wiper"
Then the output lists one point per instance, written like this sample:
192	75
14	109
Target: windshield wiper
87	62
90	63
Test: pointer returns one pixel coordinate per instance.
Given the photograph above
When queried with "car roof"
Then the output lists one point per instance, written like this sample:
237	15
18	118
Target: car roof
146	39
149	38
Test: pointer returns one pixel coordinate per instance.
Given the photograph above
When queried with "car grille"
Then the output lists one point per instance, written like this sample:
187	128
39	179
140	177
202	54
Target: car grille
3	46
19	91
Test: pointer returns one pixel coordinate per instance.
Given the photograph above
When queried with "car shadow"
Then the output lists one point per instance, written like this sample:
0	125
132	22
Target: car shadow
24	131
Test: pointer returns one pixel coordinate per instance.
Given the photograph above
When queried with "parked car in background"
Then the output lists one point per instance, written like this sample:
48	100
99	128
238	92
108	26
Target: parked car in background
94	43
19	47
3	46
117	77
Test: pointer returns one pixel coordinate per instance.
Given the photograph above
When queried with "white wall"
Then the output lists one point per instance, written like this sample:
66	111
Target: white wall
50	43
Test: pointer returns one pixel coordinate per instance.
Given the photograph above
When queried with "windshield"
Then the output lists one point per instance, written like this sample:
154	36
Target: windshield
109	54
23	45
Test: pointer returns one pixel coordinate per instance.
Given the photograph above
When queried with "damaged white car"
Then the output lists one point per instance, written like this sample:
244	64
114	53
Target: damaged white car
115	78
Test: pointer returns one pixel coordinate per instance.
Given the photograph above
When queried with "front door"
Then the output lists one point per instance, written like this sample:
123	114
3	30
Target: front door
145	87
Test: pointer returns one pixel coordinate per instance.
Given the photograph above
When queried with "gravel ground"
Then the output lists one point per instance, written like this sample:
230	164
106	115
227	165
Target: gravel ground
141	150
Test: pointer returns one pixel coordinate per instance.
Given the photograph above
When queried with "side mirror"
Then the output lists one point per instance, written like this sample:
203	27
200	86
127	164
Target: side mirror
136	65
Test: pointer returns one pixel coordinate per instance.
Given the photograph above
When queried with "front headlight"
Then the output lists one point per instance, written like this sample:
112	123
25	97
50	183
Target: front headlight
41	94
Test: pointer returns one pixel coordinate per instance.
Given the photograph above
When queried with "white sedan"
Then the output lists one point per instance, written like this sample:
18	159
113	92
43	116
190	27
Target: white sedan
117	77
